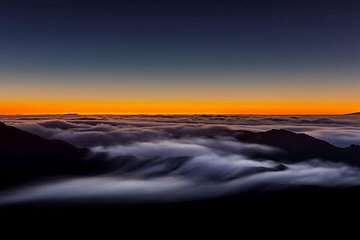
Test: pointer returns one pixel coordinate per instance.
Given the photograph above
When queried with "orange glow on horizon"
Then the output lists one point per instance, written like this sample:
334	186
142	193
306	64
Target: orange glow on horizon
267	95
86	107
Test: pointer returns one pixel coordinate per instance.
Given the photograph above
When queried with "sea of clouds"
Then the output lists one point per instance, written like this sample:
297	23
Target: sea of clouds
176	158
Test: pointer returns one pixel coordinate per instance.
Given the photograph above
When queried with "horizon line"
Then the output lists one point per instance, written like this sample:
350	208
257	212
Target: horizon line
168	114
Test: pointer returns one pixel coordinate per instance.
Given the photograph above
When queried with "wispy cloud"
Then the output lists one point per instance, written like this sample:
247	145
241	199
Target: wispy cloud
172	158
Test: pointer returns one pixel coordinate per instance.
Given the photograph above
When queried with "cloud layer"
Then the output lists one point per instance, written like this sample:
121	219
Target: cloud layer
175	158
91	131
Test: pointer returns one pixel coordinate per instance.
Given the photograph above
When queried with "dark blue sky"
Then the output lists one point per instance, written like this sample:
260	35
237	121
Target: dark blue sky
179	35
236	42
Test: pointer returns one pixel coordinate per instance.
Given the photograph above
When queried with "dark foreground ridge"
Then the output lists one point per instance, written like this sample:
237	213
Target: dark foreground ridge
24	156
307	206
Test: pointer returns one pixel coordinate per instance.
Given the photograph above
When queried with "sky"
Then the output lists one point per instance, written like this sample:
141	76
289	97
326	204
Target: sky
259	57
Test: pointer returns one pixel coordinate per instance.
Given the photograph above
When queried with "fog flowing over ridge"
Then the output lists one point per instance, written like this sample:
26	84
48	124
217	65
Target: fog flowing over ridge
180	158
91	131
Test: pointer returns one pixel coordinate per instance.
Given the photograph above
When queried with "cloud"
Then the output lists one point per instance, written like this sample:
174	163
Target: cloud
58	124
173	158
341	136
134	189
338	130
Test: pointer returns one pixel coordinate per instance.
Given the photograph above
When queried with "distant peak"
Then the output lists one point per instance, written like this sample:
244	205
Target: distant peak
354	113
279	131
71	114
354	146
2	124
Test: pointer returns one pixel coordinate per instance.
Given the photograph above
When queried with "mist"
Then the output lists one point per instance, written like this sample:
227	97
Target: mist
181	158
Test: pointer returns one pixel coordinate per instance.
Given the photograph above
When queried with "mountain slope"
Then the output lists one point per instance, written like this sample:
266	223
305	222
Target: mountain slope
25	156
300	147
353	114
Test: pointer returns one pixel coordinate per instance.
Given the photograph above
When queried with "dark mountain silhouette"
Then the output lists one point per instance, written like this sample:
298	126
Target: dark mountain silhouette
355	113
25	156
299	147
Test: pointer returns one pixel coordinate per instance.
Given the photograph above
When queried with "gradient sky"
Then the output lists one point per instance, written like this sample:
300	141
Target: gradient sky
253	56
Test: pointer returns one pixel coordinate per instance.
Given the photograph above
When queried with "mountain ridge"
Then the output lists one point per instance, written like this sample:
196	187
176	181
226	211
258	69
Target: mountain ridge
300	147
24	156
354	113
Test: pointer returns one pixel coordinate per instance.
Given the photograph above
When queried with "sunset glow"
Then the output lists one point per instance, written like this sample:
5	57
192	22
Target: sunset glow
198	59
63	107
